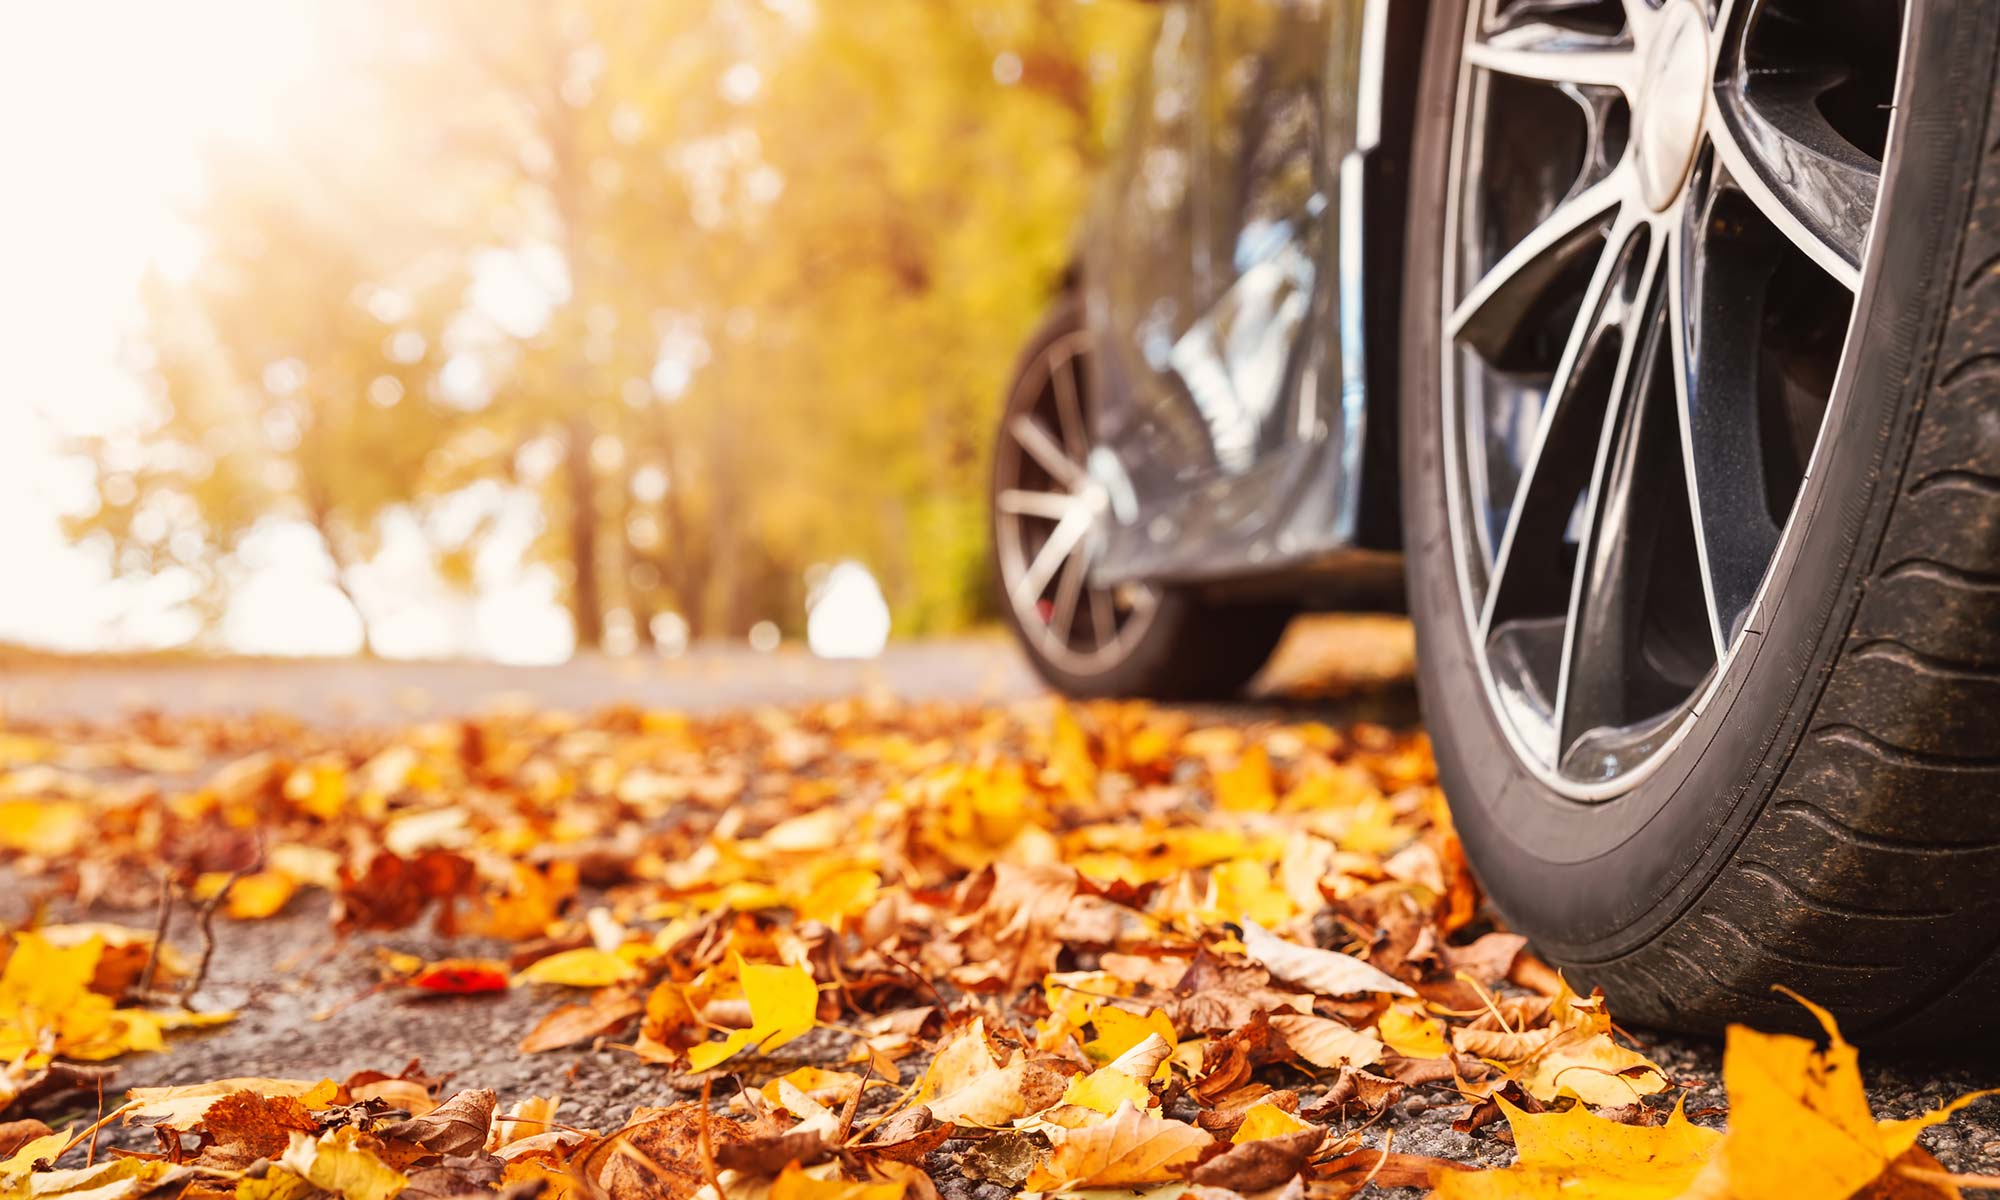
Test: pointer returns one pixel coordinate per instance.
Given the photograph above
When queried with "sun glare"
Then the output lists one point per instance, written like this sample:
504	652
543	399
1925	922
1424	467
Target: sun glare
104	109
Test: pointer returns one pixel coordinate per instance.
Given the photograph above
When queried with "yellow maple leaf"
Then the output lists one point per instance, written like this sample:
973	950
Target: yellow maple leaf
1799	1122
1576	1155
782	1003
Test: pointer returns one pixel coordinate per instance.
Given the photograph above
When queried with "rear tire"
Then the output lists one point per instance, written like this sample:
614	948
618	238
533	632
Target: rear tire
1158	642
1828	820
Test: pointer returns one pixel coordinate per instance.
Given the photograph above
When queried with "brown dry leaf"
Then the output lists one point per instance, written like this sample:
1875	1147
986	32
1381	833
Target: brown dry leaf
1260	1163
1129	1148
657	1156
182	1108
16	1134
605	1011
1390	1169
1325	1042
1003	1094
1325	972
254	1126
460	1125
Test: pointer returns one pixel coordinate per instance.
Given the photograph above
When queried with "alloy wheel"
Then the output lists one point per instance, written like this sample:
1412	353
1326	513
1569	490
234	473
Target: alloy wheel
1049	517
1658	220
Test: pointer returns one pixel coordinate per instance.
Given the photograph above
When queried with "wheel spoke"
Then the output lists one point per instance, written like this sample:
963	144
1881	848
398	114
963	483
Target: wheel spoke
1607	595
1493	310
1069	589
1584	336
1044	450
1679	337
1062	540
1554	54
1807	180
1717	296
1049	506
1103	618
1069	411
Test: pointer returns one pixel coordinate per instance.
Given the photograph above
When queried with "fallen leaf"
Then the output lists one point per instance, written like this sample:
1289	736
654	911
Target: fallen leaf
606	1010
1799	1122
182	1108
256	1126
795	1184
335	1162
1266	1120
457	1126
1578	1156
1325	1042
782	1001
16	1134
1406	1030
259	894
1260	1163
1129	1148
587	967
1325	972
462	976
34	1150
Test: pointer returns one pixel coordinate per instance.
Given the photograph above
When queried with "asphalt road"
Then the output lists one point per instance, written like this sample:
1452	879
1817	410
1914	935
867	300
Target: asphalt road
306	1011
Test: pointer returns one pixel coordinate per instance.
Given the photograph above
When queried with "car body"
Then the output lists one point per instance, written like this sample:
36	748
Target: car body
1238	276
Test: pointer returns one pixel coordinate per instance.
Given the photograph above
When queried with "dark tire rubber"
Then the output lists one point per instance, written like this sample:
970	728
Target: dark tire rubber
1832	823
1194	649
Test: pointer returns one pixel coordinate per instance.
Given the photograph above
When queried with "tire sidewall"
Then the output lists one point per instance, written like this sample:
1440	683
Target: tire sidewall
1593	881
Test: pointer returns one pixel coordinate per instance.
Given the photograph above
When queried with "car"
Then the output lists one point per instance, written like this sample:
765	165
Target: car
1646	353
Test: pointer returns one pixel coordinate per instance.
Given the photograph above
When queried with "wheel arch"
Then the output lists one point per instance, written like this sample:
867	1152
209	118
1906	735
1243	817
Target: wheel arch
1375	223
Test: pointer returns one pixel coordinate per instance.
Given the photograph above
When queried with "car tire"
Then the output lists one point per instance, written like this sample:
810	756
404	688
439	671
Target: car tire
1830	820
1181	646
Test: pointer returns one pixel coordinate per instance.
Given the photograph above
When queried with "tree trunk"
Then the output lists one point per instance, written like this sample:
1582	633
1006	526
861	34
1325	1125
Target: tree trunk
586	593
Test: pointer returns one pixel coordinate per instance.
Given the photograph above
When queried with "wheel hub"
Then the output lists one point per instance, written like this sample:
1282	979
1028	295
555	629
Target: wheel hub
1672	94
1617	507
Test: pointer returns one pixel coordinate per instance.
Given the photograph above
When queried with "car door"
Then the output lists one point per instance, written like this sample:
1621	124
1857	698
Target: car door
1205	279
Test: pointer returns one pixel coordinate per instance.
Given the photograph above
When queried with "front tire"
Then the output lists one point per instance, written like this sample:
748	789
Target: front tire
1085	640
1807	799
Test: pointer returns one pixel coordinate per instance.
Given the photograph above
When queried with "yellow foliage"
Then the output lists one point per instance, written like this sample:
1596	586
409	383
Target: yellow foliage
1406	1030
1573	1155
586	967
337	1163
783	1001
43	826
1266	1120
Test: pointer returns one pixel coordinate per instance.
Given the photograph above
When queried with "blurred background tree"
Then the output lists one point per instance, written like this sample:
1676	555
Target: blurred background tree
721	291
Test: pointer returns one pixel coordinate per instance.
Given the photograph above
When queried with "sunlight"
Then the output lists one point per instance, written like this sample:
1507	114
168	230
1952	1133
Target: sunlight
847	614
104	110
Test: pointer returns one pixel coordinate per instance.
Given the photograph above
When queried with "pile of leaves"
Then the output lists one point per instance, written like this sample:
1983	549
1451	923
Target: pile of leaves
1046	949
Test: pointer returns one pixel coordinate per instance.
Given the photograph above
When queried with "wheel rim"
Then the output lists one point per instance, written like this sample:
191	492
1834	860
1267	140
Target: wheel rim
1657	219
1049	518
